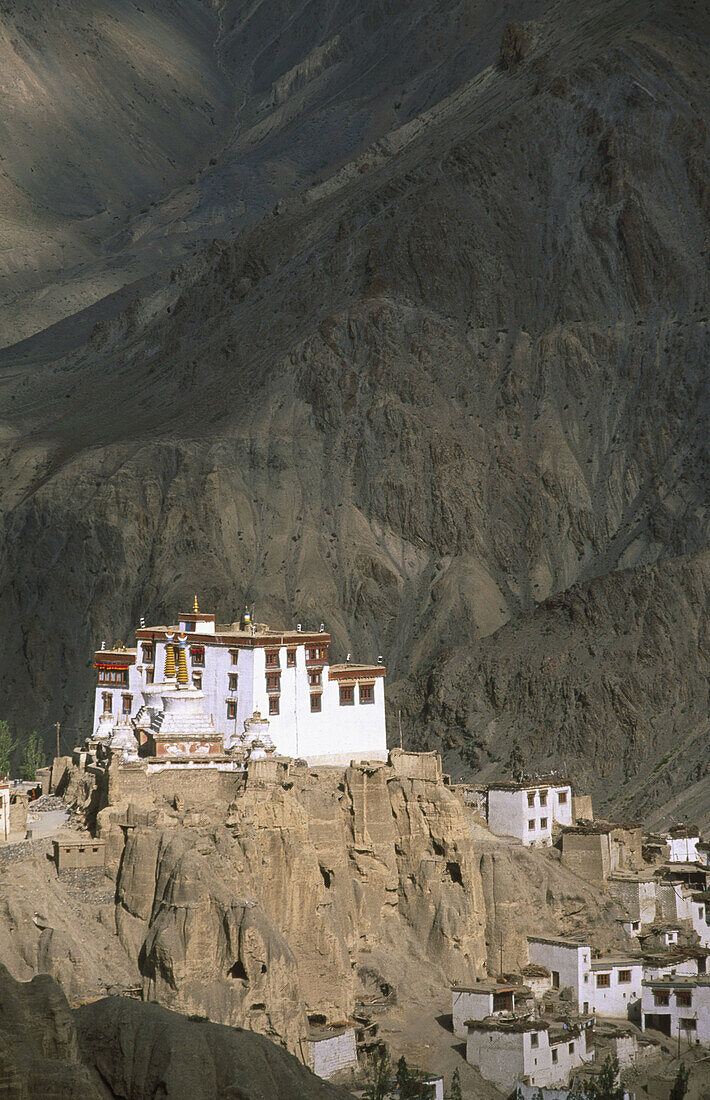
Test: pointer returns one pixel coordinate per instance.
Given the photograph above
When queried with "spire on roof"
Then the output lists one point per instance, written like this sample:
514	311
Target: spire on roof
195	607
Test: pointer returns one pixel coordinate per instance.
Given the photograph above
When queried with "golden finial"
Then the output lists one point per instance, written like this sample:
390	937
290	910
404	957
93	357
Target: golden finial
195	608
169	661
182	677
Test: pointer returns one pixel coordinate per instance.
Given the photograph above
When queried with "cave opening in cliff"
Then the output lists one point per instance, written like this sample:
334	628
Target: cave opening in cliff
327	876
239	971
454	873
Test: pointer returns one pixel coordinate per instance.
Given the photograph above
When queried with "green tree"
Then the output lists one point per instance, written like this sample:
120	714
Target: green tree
680	1085
7	747
606	1087
403	1078
455	1089
378	1076
32	757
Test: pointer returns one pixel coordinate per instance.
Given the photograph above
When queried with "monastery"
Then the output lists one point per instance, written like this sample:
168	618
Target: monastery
196	688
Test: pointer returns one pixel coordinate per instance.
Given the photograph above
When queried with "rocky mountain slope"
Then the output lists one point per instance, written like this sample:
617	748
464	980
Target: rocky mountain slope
117	1048
289	903
445	361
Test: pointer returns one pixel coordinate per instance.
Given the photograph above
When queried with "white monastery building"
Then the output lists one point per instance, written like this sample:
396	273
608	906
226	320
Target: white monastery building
323	713
528	810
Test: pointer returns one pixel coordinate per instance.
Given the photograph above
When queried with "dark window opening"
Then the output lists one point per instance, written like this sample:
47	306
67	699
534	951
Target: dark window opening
315	703
290	658
454	872
273	704
327	876
238	971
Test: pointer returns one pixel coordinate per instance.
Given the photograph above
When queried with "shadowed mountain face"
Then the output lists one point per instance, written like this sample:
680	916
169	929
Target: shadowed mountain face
456	370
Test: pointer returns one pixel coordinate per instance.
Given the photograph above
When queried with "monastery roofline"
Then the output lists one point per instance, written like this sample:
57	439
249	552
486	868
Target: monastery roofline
347	669
230	634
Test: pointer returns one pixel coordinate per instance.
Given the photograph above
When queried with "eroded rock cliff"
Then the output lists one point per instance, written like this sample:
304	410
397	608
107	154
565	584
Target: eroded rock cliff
267	917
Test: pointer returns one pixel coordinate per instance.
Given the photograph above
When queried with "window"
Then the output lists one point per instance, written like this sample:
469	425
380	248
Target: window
108	701
197	680
234	654
624	977
635	925
603	981
534	1039
149	675
688	1023
231	708
554	1055
290	658
117	676
317	654
273	704
273	681
190	628
233	681
147	648
684	999
127	703
571	1048
543	798
197	652
543	822
367	693
531	823
315	703
272	658
562	798
661	998
531	798
314	677
347	695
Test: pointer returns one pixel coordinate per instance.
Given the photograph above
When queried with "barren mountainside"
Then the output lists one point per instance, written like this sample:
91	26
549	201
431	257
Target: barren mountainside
408	334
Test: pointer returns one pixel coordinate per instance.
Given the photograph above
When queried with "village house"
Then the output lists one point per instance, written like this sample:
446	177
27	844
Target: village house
488	997
636	892
617	983
569	962
682	844
677	1006
689	961
529	809
320	712
529	1051
595	850
331	1049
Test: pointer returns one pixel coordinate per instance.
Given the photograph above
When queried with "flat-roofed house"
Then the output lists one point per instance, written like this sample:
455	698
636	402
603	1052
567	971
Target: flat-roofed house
486	997
569	963
528	1051
529	810
617	985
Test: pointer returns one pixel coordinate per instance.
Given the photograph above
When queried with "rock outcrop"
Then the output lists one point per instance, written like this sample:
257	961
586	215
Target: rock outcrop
266	917
117	1048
